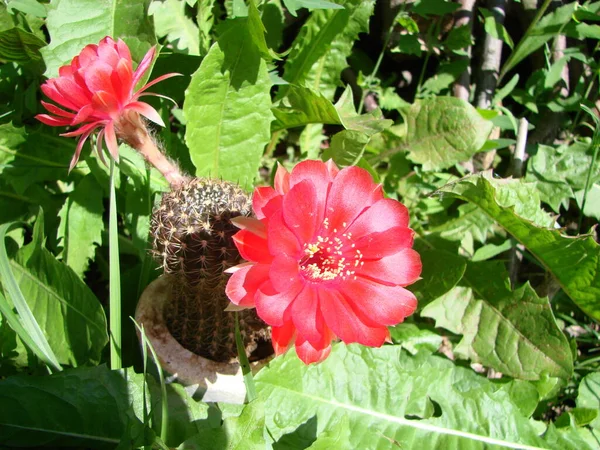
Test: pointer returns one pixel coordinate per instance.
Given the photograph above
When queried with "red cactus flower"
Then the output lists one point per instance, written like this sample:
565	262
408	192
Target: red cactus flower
96	90
328	256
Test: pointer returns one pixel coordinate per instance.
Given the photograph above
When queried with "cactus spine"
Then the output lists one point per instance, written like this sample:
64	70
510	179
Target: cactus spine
192	240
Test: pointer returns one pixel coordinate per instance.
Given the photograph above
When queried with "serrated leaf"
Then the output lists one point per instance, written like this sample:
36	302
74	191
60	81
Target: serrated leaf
442	269
574	261
302	106
346	148
73	24
81	224
227	108
69	314
20	46
443	131
388	396
513	332
32	7
295	5
205	20
413	339
314	40
243	432
257	32
471	221
171	21
542	32
324	75
446	74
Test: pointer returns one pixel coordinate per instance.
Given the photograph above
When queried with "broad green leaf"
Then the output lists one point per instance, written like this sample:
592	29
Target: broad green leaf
68	312
589	395
302	106
20	46
205	20
347	147
442	269
514	332
32	7
412	338
227	108
324	75
459	38
592	204
574	261
81	224
244	432
73	24
26	158
24	324
420	401
295	5
446	74
471	222
547	28
562	164
171	21
443	131
494	28
257	32
314	40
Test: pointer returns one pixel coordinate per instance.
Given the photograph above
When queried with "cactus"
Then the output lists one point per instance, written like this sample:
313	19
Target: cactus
192	240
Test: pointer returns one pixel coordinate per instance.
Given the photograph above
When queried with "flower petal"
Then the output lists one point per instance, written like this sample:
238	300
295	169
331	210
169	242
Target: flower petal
282	337
123	50
252	247
251	224
303	210
147	111
313	170
383	305
346	324
262	197
271	305
384	243
351	192
284	272
383	215
282	180
243	284
97	77
153	82
144	65
308	319
402	268
310	354
281	238
52	121
56	110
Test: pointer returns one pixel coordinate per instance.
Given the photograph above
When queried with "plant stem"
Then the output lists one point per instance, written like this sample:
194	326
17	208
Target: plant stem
464	17
595	145
114	277
517	169
244	363
508	64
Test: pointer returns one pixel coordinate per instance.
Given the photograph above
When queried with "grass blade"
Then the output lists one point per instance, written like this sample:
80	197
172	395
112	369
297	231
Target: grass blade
244	363
114	277
27	327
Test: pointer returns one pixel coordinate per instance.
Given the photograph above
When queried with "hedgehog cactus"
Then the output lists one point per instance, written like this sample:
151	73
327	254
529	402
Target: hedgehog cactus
192	232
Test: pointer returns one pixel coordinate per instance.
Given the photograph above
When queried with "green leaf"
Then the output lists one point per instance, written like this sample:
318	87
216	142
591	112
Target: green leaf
324	75
26	158
32	7
257	32
85	407
388	396
346	147
227	108
73	24
446	74
171	21
575	262
69	314
505	90
412	338
442	269
443	131
205	20
314	41
548	27
592	205
20	46
494	28
459	38
303	106
295	5
434	7
514	332
81	224
589	395
243	432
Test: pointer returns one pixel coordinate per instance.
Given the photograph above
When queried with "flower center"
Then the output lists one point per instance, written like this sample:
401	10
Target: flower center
324	259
